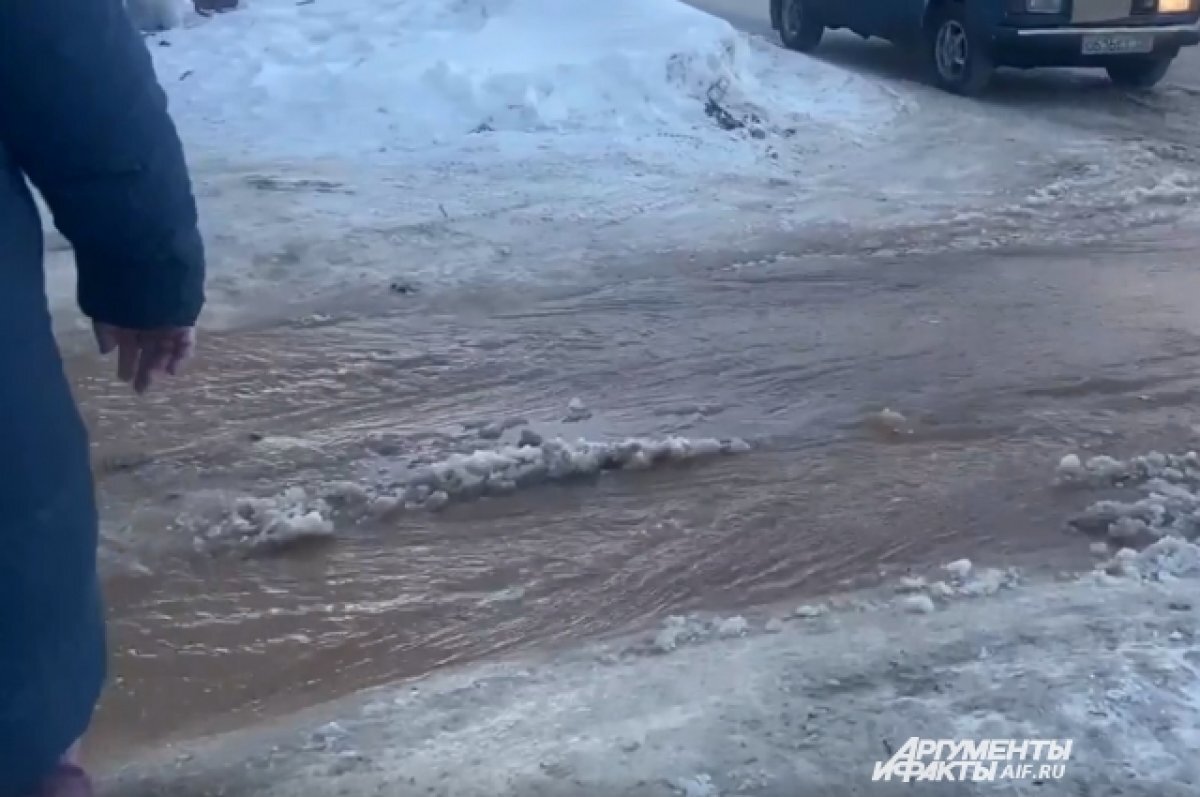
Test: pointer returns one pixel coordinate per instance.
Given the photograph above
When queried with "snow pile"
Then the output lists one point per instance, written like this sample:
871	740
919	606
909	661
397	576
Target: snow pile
1167	559
680	630
298	515
963	580
503	470
1169	504
1103	471
359	77
1163	521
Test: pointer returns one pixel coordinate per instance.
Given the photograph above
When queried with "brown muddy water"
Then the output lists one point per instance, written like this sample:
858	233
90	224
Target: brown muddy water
1000	363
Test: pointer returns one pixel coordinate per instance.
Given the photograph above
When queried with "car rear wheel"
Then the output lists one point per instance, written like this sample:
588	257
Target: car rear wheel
799	27
959	61
1140	73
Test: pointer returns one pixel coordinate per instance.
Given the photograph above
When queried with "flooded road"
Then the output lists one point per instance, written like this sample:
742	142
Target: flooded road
998	363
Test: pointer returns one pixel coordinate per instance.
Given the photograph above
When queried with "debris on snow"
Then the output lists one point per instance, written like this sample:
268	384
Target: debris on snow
911	584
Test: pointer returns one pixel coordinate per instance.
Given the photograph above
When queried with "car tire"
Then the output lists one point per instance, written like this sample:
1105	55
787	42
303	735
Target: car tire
959	61
1139	73
799	27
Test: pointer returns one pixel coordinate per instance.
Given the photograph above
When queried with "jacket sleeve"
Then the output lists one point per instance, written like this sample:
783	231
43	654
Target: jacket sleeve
82	113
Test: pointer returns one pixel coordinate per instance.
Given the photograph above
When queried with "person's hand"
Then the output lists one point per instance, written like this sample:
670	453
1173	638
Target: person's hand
143	355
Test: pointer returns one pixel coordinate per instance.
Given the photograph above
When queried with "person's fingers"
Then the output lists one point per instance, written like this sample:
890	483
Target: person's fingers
127	358
155	357
145	371
106	337
181	352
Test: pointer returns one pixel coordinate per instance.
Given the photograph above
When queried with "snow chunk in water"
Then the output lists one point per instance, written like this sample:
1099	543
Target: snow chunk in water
1101	471
918	604
960	569
498	471
270	523
733	626
577	411
296	515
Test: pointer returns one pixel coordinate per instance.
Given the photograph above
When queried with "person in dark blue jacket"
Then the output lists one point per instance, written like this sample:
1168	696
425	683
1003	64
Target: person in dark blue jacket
84	120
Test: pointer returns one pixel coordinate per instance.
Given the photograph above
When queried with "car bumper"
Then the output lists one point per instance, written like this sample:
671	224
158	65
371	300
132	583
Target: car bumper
1064	46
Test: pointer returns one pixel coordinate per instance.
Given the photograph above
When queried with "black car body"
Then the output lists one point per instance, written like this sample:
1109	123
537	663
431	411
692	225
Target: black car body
965	40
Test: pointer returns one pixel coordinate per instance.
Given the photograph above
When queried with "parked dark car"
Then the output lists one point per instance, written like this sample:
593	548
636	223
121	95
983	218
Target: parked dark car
963	41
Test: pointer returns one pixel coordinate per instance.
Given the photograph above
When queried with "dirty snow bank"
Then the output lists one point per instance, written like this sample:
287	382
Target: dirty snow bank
360	78
341	147
804	705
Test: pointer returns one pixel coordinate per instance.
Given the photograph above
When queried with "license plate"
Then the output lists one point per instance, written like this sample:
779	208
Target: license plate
1118	45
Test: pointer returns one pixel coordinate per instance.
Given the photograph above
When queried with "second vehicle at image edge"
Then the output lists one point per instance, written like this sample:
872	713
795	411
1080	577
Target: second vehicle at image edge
962	42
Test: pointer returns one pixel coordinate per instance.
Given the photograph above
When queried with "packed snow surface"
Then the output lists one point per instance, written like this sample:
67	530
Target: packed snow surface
760	707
